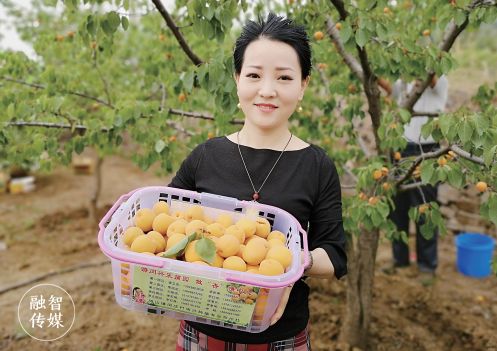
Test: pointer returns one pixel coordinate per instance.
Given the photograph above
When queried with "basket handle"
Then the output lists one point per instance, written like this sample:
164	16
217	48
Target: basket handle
113	209
306	246
155	262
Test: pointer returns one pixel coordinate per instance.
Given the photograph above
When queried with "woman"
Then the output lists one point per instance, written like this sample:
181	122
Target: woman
265	162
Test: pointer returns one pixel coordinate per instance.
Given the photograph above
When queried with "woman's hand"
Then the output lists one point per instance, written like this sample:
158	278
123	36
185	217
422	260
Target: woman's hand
281	307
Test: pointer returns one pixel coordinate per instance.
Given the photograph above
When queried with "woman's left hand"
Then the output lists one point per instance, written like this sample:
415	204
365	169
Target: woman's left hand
281	307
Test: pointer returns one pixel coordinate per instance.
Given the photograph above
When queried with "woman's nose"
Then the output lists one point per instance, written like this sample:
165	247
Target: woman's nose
267	88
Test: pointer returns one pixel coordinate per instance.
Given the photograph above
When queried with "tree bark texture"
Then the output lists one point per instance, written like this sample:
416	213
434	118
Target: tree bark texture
360	279
96	190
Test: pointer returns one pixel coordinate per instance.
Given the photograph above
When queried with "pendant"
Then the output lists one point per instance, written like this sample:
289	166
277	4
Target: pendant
255	196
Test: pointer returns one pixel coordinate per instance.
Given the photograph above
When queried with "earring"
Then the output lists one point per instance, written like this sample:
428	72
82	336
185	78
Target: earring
238	105
299	109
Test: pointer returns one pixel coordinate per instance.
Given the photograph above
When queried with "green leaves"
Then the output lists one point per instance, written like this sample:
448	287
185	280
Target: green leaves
160	145
489	208
345	32
427	171
206	249
361	37
125	22
179	248
110	23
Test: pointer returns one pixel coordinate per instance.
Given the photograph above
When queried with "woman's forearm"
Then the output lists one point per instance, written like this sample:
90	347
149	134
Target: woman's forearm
321	265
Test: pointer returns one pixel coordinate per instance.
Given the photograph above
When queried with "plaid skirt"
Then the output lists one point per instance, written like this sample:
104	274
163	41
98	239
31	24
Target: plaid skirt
190	339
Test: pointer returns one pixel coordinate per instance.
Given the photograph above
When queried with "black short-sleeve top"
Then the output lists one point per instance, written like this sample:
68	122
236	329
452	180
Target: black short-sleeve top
304	183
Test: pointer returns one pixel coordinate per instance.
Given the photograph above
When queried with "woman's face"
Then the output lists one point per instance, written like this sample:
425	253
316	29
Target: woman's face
271	75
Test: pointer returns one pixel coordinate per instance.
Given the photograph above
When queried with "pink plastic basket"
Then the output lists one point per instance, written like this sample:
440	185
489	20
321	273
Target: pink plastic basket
225	298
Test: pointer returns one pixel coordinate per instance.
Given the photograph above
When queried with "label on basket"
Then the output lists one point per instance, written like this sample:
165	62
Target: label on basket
212	299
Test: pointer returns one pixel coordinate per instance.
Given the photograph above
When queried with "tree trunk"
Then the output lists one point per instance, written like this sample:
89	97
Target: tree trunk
360	278
96	190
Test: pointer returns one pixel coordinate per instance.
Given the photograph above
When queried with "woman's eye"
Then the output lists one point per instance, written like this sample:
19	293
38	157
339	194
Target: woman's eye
251	75
286	77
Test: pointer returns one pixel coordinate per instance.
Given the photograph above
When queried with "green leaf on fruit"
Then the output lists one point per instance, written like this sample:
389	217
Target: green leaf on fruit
206	249
179	248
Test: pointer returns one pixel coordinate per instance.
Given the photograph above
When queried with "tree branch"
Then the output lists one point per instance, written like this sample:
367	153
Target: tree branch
418	160
450	37
425	114
350	61
171	111
410	186
102	78
466	155
80	127
179	37
39	86
369	79
372	94
198	115
340	6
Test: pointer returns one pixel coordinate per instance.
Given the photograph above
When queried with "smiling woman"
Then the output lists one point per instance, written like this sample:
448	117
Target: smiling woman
265	162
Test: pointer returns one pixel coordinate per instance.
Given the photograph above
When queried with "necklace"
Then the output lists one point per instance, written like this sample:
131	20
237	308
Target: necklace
255	195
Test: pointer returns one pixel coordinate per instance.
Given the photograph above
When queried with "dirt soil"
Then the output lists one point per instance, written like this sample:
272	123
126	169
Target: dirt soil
48	230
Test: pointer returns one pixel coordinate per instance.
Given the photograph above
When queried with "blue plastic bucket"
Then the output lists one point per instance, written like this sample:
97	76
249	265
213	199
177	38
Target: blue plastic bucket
474	254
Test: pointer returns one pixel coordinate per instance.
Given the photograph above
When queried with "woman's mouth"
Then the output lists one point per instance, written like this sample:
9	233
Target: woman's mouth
266	108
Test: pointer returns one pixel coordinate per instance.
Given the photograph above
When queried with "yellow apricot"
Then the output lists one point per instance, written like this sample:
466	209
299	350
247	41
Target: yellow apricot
227	245
178	226
178	214
281	254
262	227
236	231
130	234
194	212
270	266
276	234
143	243
275	242
240	251
215	229
196	226
144	219
213	238
159	240
253	270
159	253
258	238
235	263
208	220
248	225
174	239
190	253
161	222
481	187
161	207
224	219
254	252
218	261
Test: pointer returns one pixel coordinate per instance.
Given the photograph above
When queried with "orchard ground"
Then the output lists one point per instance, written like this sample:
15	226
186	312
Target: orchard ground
48	230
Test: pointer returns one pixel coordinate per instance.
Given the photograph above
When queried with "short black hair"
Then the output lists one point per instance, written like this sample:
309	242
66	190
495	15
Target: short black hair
275	28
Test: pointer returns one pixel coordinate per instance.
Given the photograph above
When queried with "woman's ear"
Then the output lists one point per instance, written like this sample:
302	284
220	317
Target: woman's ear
305	83
236	77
